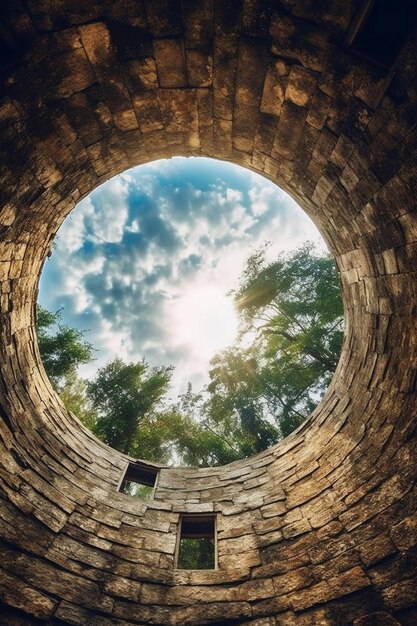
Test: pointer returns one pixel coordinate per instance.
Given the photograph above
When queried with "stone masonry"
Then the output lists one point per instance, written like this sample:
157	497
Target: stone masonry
320	530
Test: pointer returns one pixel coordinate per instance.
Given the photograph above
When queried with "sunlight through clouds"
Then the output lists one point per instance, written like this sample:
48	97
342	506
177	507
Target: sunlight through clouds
204	319
145	262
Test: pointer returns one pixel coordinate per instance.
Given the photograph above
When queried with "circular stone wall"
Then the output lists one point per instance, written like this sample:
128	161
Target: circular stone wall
322	528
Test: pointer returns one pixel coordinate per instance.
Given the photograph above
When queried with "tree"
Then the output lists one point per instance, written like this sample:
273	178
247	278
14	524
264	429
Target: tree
132	416
295	299
62	348
123	397
196	438
237	400
291	320
73	393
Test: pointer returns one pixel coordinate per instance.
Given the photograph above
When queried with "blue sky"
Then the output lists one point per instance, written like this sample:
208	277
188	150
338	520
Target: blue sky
144	263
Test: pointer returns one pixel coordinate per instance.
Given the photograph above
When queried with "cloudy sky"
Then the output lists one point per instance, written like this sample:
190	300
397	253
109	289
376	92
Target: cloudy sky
145	262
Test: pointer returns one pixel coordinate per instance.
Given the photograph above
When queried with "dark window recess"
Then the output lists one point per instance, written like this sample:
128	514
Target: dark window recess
139	481
11	49
131	41
382	29
197	542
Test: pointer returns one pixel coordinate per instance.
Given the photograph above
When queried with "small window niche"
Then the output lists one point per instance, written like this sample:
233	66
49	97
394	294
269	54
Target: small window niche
197	543
139	481
381	28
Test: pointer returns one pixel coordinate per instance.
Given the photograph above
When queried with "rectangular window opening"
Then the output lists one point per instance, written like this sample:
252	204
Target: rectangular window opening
197	543
139	481
381	29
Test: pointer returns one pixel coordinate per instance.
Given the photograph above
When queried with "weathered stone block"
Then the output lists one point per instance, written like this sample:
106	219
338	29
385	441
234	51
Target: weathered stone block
20	596
179	110
77	75
301	86
276	80
404	534
199	68
170	62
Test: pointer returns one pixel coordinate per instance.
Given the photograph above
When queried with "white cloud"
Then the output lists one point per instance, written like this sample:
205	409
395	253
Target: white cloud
149	255
108	222
72	233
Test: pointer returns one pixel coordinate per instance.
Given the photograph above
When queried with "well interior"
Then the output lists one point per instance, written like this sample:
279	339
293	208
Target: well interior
322	528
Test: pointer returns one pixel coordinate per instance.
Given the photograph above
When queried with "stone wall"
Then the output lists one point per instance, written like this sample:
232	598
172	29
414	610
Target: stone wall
322	528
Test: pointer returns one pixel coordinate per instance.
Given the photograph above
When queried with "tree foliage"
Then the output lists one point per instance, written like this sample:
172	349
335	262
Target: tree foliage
200	441
196	554
73	393
123	395
63	349
290	339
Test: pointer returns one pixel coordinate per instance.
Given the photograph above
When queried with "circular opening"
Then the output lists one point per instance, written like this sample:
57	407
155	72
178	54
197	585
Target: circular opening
214	328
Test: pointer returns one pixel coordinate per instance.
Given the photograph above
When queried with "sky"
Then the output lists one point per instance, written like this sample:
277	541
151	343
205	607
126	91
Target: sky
145	262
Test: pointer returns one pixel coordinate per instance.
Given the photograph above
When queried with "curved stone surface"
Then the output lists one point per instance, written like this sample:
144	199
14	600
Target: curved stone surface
322	528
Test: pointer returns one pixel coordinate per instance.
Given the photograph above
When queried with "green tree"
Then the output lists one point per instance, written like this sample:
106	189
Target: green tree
291	320
237	400
62	348
73	393
196	554
196	438
130	414
125	397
